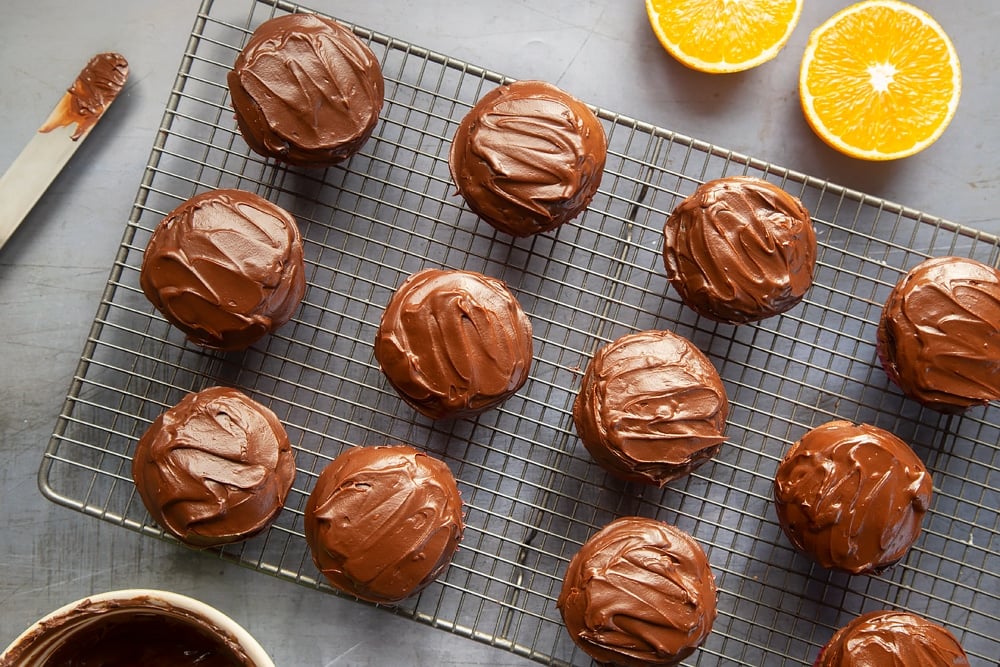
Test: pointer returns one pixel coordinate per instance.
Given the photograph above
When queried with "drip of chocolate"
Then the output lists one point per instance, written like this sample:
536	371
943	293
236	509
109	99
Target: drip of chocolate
528	157
215	468
454	343
383	522
852	497
306	90
739	249
939	334
95	88
892	638
226	268
652	407
638	593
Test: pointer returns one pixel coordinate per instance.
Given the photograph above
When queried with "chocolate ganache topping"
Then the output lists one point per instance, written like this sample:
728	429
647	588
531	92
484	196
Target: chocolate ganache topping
528	157
383	522
739	249
94	90
939	334
892	639
215	468
226	268
639	592
454	343
652	407
306	90
852	496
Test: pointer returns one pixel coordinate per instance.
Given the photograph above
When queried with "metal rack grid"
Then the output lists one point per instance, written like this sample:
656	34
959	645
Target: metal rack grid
532	493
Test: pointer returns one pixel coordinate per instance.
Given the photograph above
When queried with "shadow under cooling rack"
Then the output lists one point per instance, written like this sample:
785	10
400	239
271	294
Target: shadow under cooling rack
532	493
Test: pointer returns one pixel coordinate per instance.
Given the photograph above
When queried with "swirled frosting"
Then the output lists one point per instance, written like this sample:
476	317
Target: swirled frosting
306	90
454	343
852	496
739	249
651	408
892	639
639	592
215	468
226	268
96	87
528	157
939	333
383	522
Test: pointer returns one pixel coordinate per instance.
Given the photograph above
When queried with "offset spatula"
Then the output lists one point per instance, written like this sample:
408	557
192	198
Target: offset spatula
58	138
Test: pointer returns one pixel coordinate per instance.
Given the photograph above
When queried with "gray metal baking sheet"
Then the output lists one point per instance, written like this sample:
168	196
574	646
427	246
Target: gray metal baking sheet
533	495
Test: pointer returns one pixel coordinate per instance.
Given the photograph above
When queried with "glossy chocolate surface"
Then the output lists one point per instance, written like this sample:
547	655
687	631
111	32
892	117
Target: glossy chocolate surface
739	249
306	90
528	157
383	522
651	408
454	343
226	268
215	468
939	334
892	639
639	592
96	87
147	639
852	496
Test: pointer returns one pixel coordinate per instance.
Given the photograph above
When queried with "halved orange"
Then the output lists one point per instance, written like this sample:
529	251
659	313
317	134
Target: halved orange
721	36
879	80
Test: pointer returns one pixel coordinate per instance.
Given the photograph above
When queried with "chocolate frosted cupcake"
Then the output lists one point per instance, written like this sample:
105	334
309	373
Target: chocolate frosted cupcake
638	593
306	90
939	334
652	407
454	343
739	249
383	522
528	157
852	497
892	638
226	268
215	468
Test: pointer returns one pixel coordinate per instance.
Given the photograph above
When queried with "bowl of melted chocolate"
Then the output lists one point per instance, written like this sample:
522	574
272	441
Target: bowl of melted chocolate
135	627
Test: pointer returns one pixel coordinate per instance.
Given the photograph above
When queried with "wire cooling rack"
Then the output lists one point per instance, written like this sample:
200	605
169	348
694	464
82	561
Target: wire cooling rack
533	495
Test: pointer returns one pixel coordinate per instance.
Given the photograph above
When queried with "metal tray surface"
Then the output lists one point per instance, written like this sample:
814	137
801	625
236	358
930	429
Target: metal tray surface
533	495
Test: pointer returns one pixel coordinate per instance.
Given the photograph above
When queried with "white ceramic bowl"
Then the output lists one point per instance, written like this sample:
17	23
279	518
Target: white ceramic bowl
39	641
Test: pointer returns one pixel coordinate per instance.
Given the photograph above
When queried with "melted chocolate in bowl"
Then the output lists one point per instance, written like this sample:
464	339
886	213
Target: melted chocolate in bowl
153	638
125	628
